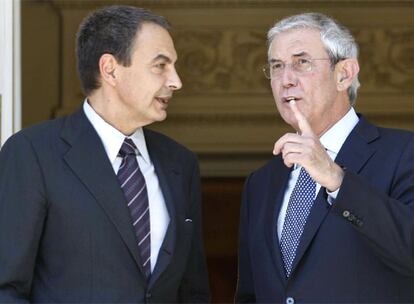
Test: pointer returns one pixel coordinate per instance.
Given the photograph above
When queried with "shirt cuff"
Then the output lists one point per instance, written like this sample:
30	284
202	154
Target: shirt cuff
332	195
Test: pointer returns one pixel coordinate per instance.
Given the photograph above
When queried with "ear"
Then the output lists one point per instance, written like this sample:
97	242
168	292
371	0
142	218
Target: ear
346	70
107	68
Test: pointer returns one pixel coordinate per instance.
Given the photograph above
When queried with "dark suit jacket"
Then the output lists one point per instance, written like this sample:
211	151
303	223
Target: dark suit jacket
65	229
359	250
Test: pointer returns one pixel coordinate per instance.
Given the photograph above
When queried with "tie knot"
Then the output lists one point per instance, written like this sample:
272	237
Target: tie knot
128	148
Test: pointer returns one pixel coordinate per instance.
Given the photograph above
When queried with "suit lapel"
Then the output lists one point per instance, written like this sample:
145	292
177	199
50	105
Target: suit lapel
169	178
88	160
356	150
277	184
353	155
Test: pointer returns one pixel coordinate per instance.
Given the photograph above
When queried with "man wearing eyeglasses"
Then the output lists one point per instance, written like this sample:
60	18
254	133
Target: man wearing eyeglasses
331	217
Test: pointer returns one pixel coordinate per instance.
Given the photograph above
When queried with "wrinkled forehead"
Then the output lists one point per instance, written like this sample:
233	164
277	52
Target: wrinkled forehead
296	42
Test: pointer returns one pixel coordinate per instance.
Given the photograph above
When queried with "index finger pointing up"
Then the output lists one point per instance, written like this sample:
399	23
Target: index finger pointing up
303	124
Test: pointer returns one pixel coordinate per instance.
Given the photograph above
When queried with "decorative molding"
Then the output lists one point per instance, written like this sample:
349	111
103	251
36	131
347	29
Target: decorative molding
75	4
230	61
222	61
386	59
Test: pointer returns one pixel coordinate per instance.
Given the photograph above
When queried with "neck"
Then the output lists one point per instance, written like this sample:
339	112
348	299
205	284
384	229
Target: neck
104	107
340	111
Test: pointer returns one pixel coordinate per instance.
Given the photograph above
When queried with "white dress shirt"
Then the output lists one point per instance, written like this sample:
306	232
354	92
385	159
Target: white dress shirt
112	140
332	140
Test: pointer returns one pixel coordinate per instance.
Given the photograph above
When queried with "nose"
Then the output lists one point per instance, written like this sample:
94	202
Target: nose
288	77
174	82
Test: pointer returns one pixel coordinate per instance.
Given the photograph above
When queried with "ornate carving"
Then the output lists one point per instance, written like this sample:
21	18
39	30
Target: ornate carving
229	61
387	59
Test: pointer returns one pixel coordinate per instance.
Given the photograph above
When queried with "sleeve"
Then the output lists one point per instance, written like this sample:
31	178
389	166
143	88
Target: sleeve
22	213
245	287
385	220
195	285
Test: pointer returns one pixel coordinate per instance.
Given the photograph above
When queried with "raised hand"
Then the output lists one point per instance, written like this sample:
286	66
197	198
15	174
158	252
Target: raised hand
306	150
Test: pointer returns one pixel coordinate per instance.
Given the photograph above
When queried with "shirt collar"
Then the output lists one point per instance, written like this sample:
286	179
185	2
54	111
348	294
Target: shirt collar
111	138
335	137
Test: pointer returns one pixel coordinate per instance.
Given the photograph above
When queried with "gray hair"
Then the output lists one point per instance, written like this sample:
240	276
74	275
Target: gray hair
337	40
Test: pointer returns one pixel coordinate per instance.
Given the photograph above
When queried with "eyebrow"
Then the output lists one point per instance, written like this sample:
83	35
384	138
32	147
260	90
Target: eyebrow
162	57
274	60
301	54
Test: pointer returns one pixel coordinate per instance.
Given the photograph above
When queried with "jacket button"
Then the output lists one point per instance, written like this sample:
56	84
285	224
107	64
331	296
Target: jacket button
290	300
346	214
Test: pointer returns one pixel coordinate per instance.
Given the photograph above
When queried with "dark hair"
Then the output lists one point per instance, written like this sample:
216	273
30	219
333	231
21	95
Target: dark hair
110	30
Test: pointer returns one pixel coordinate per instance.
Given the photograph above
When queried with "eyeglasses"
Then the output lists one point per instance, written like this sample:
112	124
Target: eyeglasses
299	65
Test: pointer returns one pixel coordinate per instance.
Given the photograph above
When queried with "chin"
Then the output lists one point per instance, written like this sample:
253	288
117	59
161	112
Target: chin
161	116
287	117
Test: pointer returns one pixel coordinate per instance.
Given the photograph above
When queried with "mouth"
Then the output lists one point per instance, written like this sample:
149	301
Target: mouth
290	98
163	100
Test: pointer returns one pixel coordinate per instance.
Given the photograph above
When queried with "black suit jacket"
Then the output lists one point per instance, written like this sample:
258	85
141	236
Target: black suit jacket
361	249
65	229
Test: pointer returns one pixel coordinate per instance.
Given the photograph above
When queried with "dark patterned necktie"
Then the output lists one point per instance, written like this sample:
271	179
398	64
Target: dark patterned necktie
133	185
299	206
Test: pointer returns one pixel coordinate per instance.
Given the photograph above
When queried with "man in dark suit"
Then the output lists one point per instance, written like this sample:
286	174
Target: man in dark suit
94	208
331	217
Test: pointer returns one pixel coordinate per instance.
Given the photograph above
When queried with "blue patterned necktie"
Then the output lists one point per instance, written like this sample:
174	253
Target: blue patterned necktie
133	185
299	206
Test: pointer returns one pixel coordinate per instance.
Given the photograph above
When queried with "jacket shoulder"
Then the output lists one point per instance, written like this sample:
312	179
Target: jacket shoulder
39	133
163	142
396	134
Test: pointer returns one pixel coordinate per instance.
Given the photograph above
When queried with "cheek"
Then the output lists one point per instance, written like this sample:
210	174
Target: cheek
128	85
324	90
275	89
281	107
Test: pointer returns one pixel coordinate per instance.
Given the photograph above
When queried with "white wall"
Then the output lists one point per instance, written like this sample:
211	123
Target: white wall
10	80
